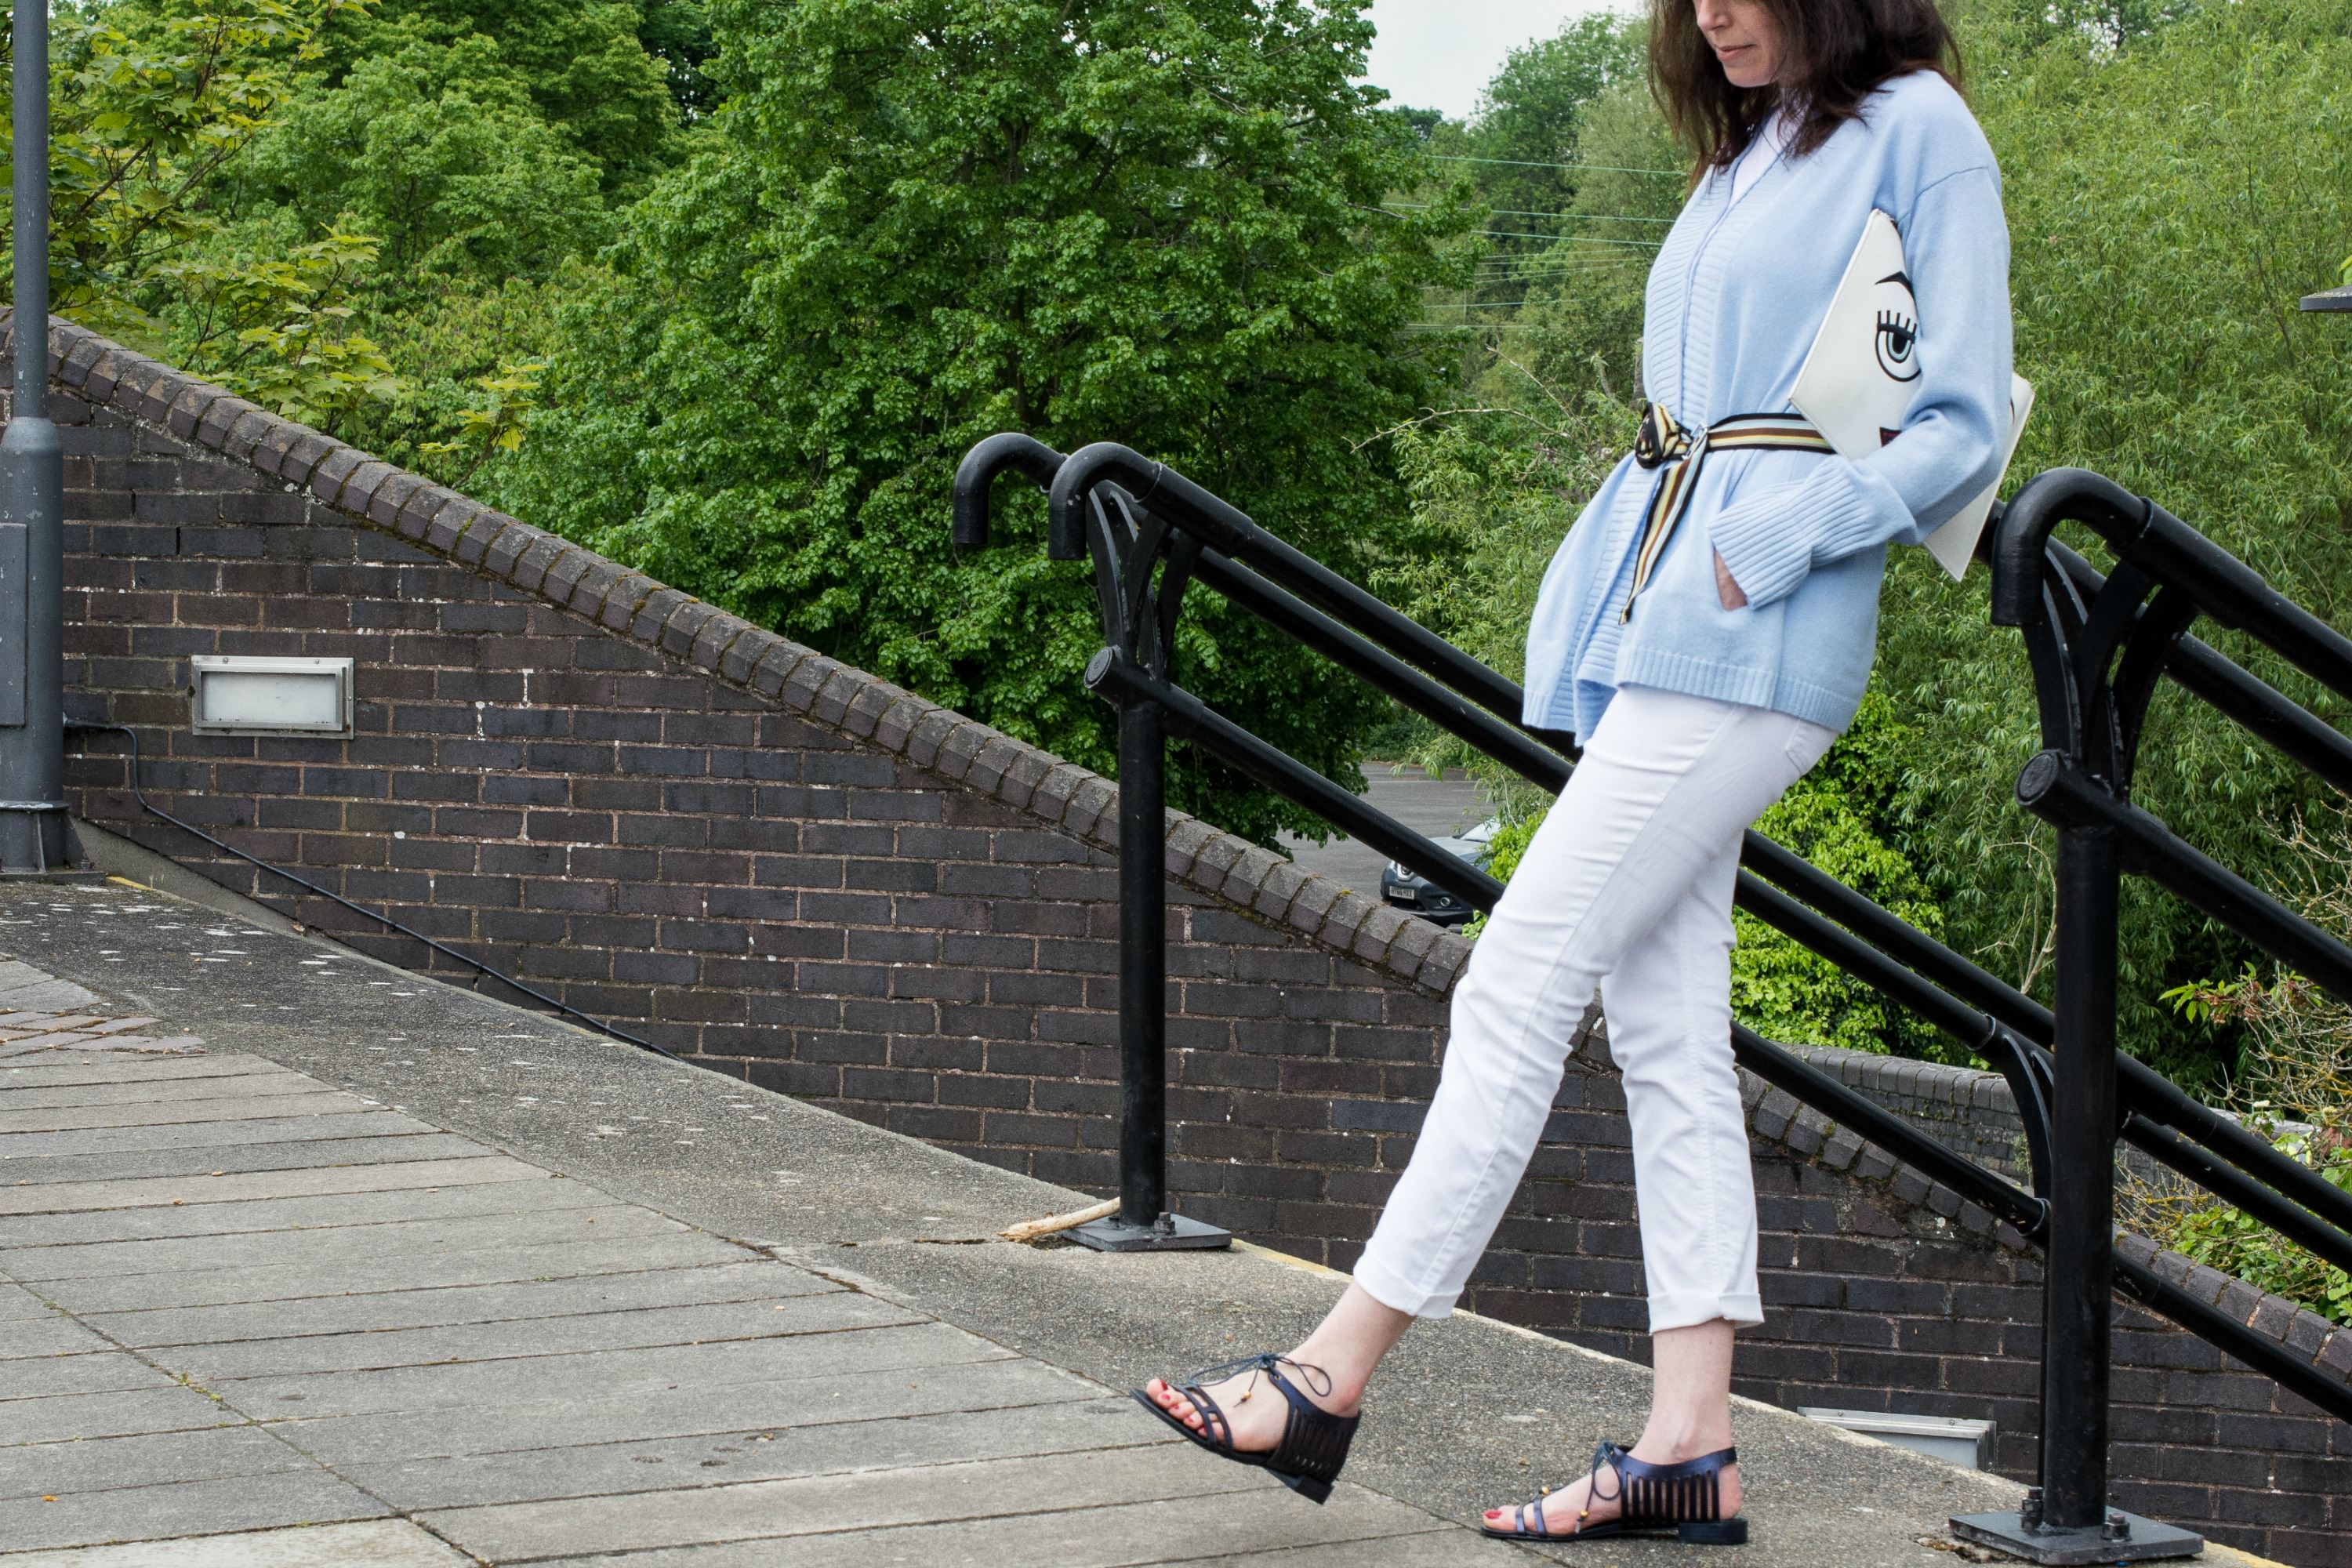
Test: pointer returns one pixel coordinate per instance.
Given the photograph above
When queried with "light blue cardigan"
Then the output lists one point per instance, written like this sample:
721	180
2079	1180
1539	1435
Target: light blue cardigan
1734	300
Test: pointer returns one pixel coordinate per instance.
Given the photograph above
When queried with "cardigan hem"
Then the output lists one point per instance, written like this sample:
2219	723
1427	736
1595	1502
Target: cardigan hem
1829	706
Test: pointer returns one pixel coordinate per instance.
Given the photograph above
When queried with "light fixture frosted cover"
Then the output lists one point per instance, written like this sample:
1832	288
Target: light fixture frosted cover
239	695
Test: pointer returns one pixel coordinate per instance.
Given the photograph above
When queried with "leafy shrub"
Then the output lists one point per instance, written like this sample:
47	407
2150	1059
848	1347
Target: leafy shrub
2294	1088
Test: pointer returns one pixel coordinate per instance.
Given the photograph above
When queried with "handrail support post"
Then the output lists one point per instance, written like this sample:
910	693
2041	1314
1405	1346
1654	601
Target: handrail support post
2078	1282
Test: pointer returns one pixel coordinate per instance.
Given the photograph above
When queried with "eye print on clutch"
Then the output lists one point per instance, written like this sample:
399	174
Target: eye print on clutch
1898	339
1859	381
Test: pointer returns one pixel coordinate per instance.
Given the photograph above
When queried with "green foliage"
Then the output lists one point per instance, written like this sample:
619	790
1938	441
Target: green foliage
2166	204
145	108
2235	1242
497	428
918	224
677	34
1530	118
279	331
151	108
2294	1090
582	63
360	215
438	150
1851	817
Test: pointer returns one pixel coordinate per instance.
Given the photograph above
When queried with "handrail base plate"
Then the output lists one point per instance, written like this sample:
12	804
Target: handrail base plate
1174	1233
2144	1539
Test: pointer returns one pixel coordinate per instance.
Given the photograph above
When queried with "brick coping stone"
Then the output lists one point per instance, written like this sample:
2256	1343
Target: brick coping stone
976	757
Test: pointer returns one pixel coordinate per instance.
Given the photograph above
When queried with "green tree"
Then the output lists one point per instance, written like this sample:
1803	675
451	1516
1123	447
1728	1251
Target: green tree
1530	118
151	108
147	108
583	62
438	150
918	224
677	34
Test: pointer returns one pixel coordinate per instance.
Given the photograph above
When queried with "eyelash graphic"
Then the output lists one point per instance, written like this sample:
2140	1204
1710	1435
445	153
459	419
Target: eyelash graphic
1897	336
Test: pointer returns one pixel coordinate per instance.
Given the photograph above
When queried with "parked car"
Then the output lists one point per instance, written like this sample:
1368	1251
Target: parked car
1409	890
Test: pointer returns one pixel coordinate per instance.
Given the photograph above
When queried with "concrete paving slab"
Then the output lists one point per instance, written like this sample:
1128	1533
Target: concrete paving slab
75	1197
89	1044
208	1065
34	1469
157	1124
376	1543
376	1311
17	1304
49	995
52	1334
362	1447
275	1084
299	1214
324	1247
819	1505
184	1507
1433	1431
106	1371
473	1344
70	1418
221	1287
1262	1515
770	1453
237	1158
910	1349
1438	1548
343	1119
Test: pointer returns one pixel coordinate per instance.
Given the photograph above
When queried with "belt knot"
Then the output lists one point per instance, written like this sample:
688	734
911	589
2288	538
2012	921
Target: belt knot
1662	439
1666	443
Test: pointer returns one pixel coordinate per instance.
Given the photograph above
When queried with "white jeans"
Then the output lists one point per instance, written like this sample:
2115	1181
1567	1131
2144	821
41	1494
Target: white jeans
1626	886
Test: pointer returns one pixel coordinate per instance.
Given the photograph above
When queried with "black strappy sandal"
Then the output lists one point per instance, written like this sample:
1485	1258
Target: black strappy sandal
1686	1499
1314	1444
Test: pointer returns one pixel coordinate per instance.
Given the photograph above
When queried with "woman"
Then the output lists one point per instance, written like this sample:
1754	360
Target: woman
1706	629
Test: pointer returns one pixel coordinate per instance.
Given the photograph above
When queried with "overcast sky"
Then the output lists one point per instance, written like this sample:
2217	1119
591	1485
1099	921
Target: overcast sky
1438	54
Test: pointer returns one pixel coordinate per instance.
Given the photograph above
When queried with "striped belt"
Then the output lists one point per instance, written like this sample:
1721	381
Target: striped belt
1665	444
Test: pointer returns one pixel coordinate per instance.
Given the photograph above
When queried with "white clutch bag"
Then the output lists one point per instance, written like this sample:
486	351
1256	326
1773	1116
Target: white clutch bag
1863	370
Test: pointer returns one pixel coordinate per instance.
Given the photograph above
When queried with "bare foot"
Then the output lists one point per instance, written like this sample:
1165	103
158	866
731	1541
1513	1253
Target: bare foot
1570	1509
1254	1408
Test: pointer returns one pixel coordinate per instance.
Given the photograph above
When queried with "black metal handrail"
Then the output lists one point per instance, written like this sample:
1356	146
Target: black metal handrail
2098	646
1149	532
1974	1008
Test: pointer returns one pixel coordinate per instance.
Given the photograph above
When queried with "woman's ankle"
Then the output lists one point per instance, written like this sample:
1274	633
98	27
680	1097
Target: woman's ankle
1673	1445
1336	1381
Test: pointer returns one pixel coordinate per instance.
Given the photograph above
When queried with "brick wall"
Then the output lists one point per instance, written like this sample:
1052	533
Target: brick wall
809	878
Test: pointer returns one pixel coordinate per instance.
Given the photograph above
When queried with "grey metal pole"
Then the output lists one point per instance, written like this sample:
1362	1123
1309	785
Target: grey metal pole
32	504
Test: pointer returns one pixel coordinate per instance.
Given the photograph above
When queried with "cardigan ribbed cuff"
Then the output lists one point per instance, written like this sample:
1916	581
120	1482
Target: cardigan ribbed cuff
1771	539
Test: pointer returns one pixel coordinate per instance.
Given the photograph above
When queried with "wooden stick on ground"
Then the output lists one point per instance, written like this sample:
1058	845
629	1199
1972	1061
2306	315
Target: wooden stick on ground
1032	1229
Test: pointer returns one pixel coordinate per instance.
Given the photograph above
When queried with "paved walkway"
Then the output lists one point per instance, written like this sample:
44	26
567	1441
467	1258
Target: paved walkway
335	1266
238	1298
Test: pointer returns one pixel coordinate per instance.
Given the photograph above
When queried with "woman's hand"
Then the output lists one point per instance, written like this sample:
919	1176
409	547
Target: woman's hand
1725	589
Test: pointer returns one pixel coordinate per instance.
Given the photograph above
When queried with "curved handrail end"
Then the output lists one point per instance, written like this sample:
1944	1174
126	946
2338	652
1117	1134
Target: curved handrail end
1025	455
2023	529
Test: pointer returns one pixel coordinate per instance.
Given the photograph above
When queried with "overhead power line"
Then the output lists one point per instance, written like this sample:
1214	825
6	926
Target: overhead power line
1522	212
1569	238
1524	163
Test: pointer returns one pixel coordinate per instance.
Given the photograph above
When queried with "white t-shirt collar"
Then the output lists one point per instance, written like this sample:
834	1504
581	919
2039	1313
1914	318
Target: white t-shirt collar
1770	138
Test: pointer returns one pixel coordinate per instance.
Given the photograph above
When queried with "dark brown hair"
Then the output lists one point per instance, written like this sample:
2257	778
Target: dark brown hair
1833	53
